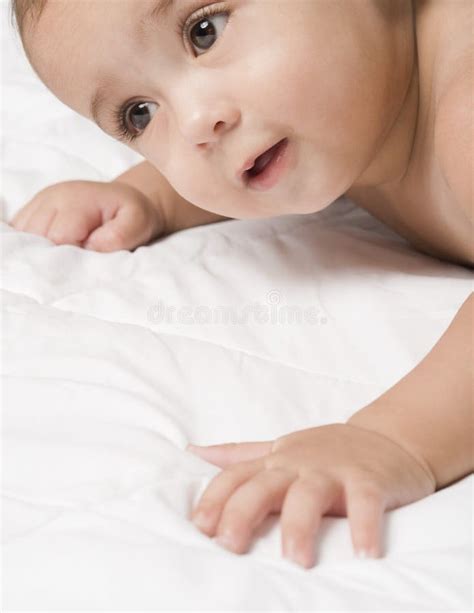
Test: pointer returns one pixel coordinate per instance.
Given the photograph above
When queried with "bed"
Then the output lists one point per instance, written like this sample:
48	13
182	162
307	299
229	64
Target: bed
112	363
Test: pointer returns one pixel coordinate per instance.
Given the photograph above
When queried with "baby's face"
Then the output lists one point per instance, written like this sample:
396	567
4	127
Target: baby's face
316	72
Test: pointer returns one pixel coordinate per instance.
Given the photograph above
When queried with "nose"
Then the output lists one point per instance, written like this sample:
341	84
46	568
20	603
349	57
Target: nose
204	116
205	123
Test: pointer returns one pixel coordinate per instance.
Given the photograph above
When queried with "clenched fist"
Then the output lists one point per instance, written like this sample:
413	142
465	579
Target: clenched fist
102	216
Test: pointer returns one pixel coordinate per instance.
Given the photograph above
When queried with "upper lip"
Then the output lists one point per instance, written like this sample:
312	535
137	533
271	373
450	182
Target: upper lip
250	162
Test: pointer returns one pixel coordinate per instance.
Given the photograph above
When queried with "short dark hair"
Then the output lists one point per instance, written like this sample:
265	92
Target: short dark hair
23	11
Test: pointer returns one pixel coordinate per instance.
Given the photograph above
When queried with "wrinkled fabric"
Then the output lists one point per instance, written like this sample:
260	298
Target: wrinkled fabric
236	331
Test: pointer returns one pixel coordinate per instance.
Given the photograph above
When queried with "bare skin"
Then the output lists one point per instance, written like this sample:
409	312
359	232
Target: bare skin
391	127
432	212
405	180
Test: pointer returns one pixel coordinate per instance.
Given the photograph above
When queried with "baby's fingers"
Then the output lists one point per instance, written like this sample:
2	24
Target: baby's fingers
249	505
41	221
31	218
208	511
22	217
72	226
307	500
366	505
226	454
128	228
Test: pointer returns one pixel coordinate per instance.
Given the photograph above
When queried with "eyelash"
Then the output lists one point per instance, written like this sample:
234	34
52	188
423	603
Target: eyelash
119	114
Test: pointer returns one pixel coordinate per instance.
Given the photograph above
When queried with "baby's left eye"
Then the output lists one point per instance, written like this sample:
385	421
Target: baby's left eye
139	116
203	33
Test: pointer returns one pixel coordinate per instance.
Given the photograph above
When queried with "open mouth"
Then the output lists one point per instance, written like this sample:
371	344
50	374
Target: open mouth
269	167
264	160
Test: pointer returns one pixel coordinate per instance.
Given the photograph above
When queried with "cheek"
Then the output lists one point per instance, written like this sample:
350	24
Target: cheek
155	143
318	85
198	183
191	177
288	90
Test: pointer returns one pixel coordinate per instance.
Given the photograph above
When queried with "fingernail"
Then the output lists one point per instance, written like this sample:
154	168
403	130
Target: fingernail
296	554
227	540
361	554
365	554
192	447
202	520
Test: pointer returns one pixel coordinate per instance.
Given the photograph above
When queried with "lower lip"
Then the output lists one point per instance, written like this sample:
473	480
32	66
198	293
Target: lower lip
273	171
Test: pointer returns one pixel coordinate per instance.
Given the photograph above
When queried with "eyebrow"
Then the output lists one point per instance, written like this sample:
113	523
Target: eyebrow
160	9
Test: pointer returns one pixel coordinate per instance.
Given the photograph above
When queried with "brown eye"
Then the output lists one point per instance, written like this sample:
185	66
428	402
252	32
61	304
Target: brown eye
206	31
139	115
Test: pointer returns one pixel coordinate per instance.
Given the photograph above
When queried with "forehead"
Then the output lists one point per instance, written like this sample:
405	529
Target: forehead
75	39
78	18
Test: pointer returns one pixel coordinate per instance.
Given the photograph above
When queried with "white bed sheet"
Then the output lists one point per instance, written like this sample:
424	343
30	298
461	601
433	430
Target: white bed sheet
100	397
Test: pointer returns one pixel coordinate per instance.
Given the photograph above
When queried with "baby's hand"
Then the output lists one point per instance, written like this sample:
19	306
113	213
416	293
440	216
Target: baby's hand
338	469
91	214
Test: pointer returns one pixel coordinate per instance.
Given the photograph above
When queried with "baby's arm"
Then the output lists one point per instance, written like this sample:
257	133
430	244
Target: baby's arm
430	411
414	439
136	207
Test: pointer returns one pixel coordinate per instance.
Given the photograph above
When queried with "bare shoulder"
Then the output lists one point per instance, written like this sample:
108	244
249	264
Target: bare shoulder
454	134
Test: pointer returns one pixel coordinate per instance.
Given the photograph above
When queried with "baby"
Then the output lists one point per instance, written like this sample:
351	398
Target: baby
256	108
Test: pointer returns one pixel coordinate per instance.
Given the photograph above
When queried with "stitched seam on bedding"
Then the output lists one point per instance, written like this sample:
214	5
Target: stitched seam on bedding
221	346
306	372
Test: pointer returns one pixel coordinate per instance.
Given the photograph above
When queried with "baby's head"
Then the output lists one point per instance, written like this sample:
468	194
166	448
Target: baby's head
199	87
